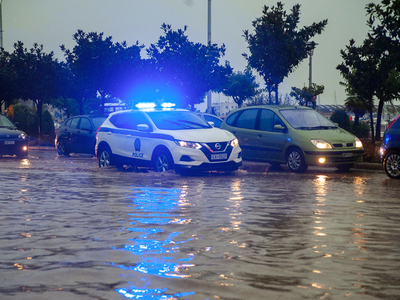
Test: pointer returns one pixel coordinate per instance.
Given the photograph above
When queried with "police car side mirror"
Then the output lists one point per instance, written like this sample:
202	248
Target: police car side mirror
211	123
143	127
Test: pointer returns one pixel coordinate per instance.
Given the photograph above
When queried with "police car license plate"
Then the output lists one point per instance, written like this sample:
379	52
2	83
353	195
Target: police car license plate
219	156
9	142
347	154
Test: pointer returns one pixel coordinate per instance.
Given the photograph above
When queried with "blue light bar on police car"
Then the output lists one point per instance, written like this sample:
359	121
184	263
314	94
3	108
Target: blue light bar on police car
167	105
146	105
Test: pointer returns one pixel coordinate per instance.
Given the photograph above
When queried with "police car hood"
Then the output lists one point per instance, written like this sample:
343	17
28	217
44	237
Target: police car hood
208	135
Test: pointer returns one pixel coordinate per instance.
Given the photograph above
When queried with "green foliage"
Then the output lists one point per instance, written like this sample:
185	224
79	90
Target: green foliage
27	119
307	95
185	71
47	123
277	46
241	86
361	130
68	105
96	65
341	118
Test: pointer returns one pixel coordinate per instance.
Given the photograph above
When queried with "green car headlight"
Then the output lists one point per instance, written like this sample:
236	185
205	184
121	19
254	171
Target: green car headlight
321	144
358	143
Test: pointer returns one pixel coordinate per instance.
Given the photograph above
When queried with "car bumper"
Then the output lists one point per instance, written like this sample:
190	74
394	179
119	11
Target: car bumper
190	159
315	158
18	147
224	166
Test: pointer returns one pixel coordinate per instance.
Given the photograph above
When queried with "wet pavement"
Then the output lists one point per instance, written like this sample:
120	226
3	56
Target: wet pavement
69	230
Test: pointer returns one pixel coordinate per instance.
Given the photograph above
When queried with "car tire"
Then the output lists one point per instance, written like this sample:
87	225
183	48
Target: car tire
62	149
162	161
295	161
344	167
105	157
392	164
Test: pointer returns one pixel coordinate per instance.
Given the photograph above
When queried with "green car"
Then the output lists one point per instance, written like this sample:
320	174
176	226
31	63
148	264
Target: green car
292	135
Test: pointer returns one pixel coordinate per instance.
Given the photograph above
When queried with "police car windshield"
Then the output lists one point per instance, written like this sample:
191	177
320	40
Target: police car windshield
177	120
306	119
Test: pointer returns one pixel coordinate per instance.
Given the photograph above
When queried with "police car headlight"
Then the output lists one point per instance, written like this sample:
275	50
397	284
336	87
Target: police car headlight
22	136
321	144
191	145
234	143
358	143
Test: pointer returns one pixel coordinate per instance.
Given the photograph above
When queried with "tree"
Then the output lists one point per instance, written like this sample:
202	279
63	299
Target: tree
48	123
372	69
307	95
277	46
359	69
341	118
384	41
185	71
7	79
35	76
98	67
241	86
356	105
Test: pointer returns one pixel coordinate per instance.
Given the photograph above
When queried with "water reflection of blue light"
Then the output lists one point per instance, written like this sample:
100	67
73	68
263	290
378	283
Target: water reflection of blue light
150	294
156	248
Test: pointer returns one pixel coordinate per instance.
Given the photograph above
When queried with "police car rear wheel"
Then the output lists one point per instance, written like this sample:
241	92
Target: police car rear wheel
105	158
162	161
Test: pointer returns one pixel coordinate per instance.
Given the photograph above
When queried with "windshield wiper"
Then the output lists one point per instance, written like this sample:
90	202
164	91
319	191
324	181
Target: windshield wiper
325	127
193	123
179	124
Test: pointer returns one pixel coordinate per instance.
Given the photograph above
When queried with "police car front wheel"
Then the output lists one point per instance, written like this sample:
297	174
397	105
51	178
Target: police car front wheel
162	161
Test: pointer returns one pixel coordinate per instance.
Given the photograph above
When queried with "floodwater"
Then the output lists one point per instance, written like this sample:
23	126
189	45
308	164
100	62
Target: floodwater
69	230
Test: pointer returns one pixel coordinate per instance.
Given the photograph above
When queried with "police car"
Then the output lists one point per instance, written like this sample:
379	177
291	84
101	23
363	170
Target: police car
164	139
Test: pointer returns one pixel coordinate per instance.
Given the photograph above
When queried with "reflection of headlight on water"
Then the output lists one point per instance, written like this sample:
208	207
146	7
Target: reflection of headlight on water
25	162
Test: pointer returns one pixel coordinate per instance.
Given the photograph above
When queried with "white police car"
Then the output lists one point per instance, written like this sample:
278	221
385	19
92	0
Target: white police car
166	139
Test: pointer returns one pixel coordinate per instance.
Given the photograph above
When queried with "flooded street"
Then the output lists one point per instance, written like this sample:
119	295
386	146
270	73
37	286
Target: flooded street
69	230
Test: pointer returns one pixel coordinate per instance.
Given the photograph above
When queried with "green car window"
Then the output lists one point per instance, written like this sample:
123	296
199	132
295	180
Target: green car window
247	119
306	119
266	120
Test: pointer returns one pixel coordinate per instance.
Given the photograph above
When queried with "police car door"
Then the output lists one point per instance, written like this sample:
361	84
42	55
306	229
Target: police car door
137	143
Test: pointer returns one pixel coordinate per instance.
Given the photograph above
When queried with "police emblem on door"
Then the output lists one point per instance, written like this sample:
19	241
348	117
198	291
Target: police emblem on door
137	145
137	153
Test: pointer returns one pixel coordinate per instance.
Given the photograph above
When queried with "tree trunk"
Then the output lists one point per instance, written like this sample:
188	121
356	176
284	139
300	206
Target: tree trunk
276	95
81	107
39	108
356	119
371	117
378	120
269	95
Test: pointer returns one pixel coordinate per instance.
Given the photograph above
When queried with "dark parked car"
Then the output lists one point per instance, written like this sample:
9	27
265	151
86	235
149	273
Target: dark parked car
210	118
12	140
78	134
390	149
